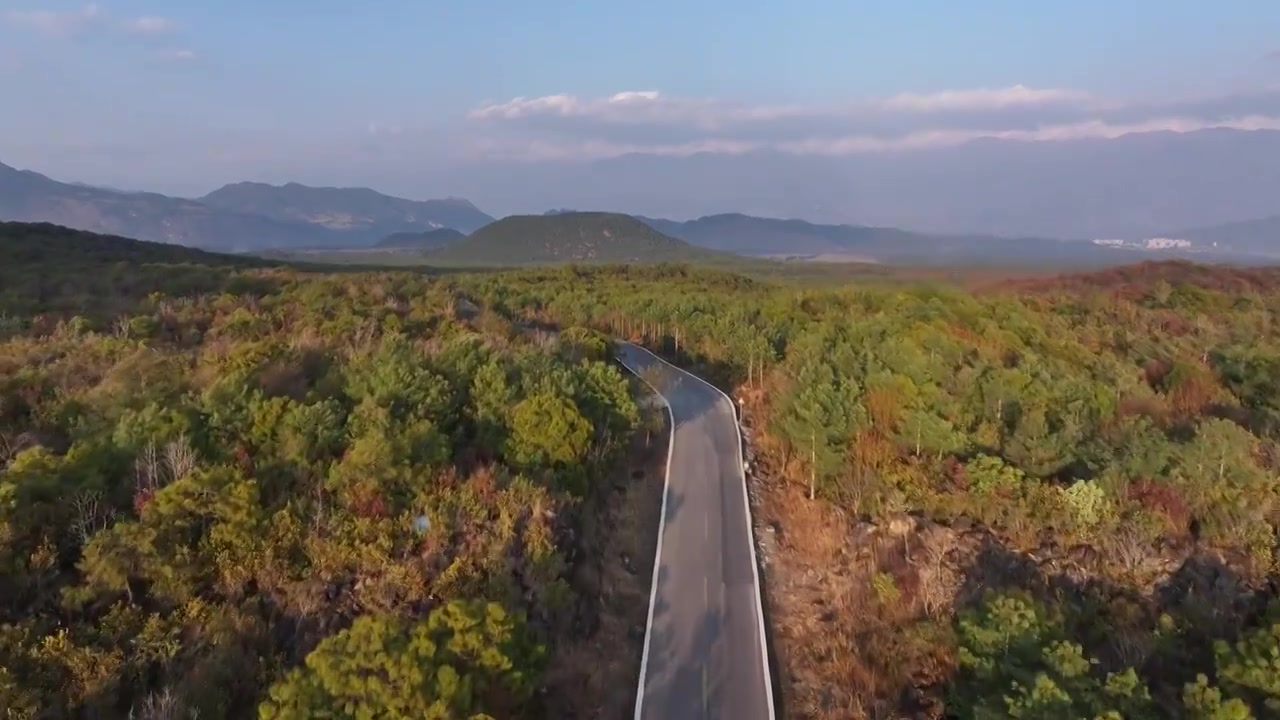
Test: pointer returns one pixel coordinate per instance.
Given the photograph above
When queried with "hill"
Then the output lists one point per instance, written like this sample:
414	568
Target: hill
236	218
27	246
589	237
798	239
1261	236
27	196
362	212
430	239
74	271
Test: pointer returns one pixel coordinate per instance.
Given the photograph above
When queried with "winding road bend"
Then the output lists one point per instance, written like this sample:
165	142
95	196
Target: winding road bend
704	647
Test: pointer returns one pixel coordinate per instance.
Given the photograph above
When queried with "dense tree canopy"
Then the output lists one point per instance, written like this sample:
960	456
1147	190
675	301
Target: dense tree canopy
239	490
299	483
463	657
1119	413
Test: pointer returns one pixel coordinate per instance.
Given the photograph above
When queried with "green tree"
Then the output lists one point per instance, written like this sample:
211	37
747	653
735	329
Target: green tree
1203	701
547	430
818	417
491	399
467	660
1250	668
1015	662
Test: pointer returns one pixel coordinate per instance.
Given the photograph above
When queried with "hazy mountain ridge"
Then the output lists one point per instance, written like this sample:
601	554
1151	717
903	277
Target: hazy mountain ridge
799	239
1134	186
974	203
27	196
360	211
1260	236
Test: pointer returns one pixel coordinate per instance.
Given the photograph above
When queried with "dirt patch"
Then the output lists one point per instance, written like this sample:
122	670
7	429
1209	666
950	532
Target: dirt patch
593	673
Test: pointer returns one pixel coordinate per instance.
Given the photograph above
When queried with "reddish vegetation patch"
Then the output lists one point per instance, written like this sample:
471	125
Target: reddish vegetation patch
1162	499
141	498
1139	280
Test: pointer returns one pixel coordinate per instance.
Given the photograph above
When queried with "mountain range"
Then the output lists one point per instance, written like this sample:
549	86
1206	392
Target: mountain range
359	211
235	218
799	239
251	217
1138	185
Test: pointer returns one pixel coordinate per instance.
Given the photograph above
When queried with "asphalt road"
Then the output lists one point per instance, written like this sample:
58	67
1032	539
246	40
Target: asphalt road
704	653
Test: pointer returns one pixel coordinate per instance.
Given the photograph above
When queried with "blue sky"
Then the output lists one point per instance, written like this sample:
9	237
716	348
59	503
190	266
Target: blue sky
182	96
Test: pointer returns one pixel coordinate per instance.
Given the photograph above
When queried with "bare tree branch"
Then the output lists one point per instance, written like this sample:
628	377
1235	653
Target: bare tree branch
91	515
180	458
147	469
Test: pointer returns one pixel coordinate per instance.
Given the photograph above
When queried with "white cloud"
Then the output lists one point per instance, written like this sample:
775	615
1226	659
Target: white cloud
983	99
550	150
631	107
569	106
564	126
149	25
181	56
539	150
522	107
52	22
1094	129
634	107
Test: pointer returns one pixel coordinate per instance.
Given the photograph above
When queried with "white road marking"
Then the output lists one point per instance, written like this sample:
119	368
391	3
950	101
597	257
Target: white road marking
657	555
704	691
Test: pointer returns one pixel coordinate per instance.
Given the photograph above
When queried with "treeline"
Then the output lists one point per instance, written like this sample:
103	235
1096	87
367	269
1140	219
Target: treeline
1134	423
245	492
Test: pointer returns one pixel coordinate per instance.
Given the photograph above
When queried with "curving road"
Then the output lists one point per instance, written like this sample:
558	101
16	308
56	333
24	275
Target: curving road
704	648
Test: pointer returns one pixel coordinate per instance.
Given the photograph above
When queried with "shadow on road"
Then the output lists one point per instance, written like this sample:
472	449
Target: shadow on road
680	682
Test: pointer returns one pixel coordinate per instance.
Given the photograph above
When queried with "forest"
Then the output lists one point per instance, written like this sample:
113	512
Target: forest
256	491
230	490
1046	498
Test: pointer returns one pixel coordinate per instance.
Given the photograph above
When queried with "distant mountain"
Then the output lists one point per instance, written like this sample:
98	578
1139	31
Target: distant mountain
587	237
236	218
360	212
428	240
747	235
32	197
1261	237
1137	185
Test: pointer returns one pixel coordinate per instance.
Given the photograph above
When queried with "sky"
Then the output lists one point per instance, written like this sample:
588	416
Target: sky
182	96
